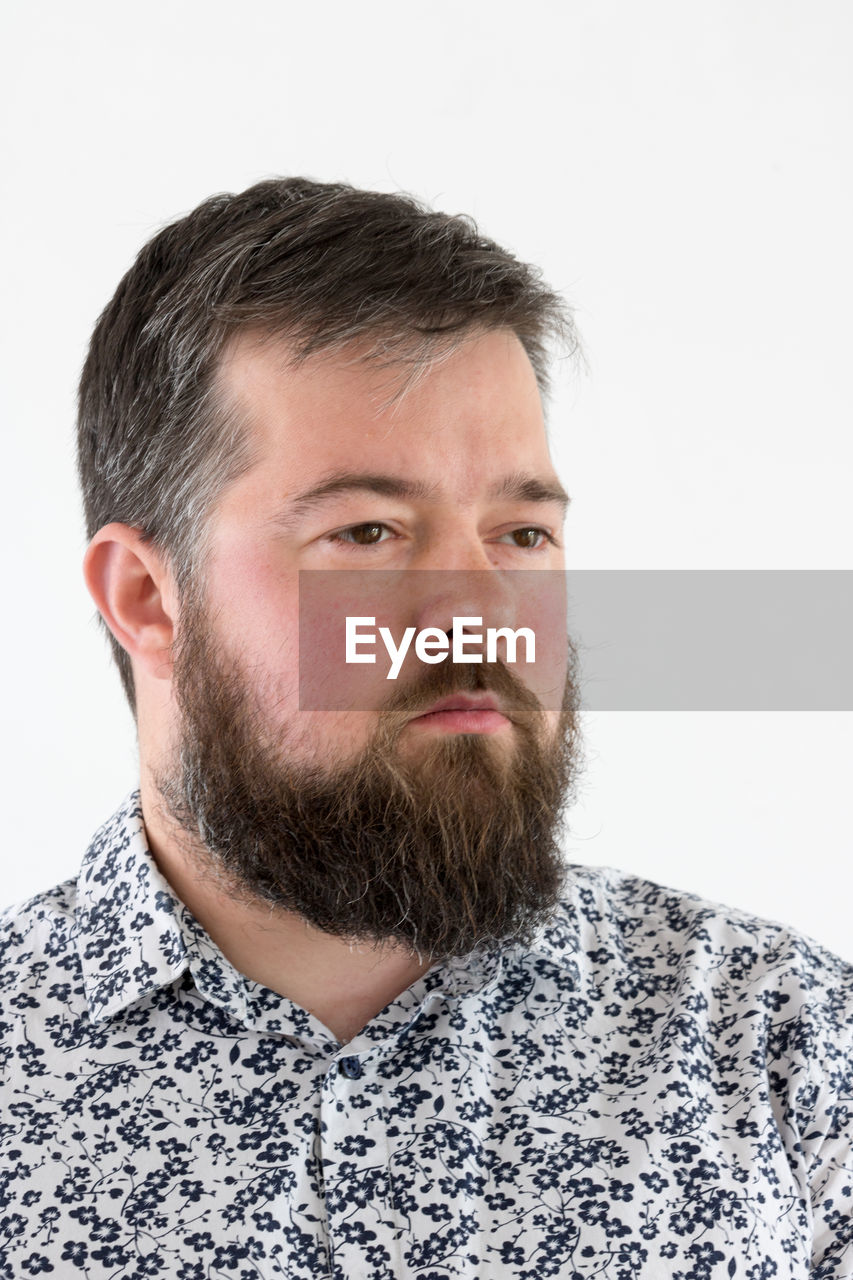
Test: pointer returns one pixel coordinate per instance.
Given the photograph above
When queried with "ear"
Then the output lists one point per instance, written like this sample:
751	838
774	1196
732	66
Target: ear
130	583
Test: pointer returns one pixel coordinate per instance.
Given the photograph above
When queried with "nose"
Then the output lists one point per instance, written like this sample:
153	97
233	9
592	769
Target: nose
466	600
455	580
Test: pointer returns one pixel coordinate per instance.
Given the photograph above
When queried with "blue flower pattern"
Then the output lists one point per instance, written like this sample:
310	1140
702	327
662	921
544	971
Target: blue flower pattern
659	1086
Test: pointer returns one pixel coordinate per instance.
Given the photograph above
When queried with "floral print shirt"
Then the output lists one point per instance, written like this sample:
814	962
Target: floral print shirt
660	1086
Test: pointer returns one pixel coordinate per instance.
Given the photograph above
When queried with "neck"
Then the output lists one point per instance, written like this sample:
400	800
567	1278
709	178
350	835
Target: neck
342	984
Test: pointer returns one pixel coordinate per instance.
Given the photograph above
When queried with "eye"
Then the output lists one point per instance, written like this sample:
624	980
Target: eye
361	535
531	538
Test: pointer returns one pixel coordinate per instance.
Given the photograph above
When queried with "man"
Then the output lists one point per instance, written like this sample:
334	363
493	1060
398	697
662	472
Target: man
324	999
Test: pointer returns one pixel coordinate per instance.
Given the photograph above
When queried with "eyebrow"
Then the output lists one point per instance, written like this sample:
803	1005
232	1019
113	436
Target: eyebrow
517	487
524	488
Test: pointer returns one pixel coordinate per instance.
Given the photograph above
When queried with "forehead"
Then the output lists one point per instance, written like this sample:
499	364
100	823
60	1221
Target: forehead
476	405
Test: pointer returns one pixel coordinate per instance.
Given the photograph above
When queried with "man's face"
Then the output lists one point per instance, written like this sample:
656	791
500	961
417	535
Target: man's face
441	825
472	423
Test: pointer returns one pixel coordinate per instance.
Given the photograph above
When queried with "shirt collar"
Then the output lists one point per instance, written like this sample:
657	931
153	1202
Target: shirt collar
135	936
558	941
129	930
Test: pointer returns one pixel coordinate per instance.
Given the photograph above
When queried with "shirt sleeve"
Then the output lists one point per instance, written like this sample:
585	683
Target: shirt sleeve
821	1118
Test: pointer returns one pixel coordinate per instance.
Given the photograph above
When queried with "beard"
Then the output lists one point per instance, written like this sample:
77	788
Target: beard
442	846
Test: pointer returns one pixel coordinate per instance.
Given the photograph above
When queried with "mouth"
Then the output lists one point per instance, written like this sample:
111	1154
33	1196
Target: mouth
463	713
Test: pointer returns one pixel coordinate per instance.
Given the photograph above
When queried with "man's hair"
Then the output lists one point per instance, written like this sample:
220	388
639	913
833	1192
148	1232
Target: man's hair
322	265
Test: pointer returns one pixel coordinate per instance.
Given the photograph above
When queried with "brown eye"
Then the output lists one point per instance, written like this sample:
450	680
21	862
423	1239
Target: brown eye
365	534
527	537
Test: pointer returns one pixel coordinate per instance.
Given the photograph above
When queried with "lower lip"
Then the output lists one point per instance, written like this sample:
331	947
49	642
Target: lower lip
486	721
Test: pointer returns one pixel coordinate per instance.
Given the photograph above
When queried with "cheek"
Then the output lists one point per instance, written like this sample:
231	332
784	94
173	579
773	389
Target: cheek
257	605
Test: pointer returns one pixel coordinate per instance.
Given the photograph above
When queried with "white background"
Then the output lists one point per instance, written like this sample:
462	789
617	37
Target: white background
682	171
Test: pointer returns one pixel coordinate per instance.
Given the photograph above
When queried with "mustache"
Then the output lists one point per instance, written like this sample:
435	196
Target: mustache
518	702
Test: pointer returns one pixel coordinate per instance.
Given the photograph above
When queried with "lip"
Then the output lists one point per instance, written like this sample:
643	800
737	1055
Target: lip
462	713
463	702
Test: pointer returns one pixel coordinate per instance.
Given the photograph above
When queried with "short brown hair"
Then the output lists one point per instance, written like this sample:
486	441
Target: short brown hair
323	264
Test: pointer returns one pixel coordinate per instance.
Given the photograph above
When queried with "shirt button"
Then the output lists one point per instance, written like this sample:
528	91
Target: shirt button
350	1067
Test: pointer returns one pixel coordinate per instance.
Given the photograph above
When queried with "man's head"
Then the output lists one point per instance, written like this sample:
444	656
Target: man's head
310	377
322	266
